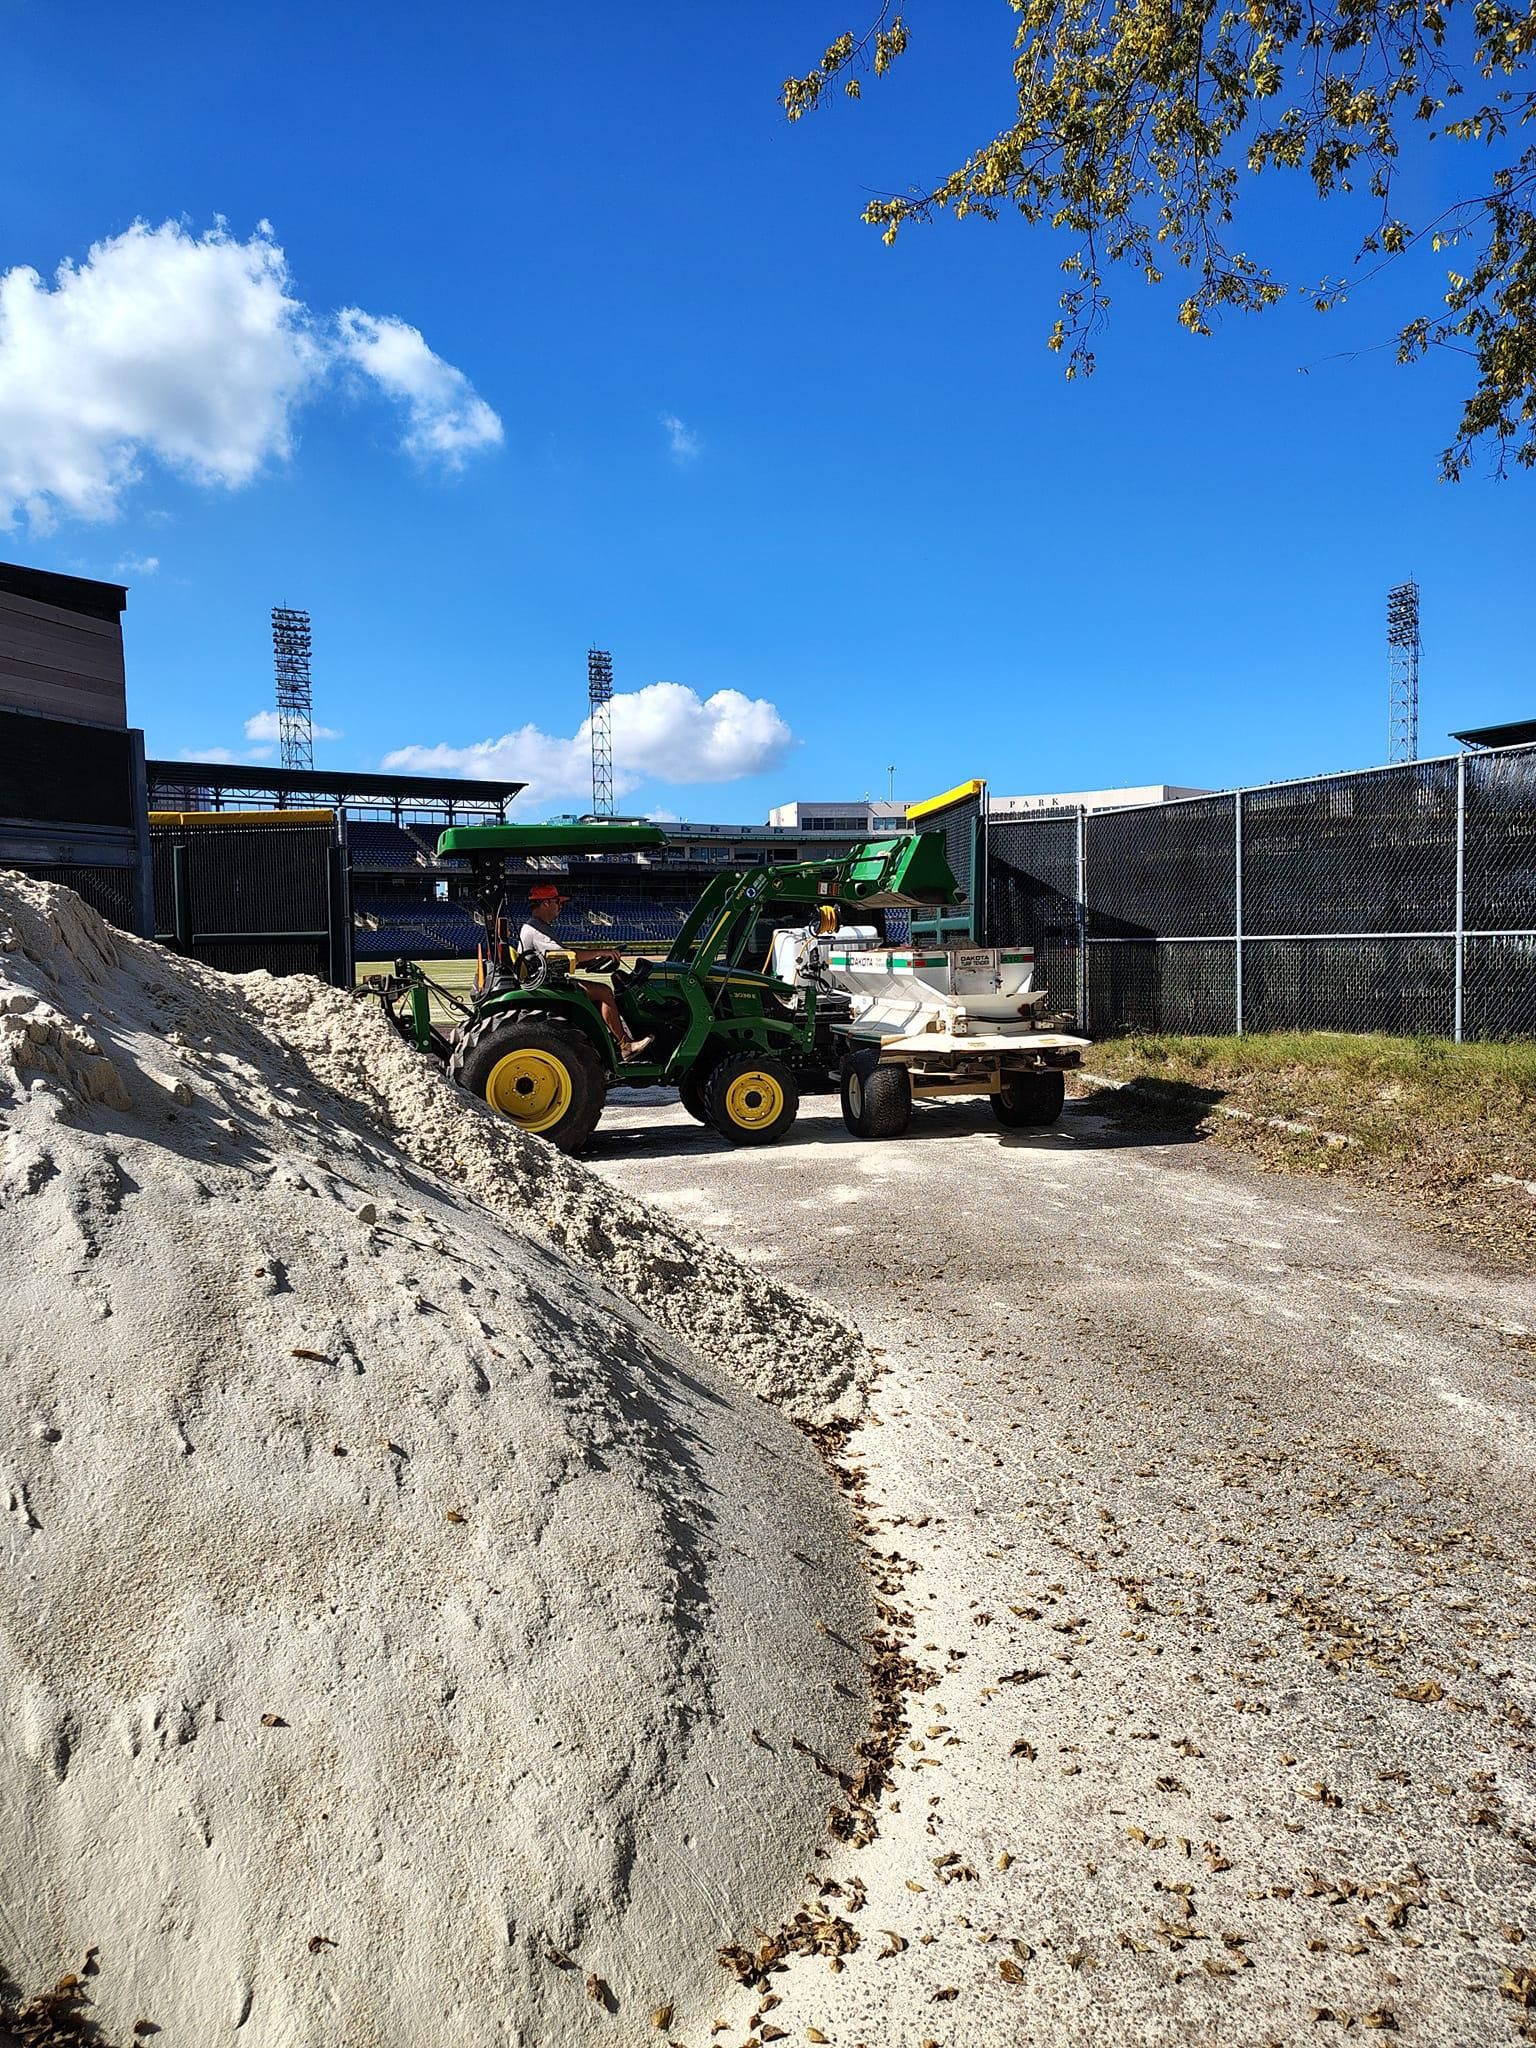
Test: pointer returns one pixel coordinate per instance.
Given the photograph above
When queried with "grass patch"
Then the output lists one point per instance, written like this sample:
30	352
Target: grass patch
455	975
1447	1126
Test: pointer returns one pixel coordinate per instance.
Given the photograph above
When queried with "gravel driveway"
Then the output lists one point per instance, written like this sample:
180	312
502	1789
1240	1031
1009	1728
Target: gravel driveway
1212	1498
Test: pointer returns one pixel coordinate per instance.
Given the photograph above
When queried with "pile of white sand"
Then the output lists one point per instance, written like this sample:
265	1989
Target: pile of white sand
792	1349
402	1640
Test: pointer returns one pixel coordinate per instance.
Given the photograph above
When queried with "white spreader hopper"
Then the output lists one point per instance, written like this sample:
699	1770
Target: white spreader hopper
958	1020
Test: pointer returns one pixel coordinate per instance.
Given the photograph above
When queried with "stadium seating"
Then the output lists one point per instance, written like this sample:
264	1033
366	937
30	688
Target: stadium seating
383	848
396	928
613	917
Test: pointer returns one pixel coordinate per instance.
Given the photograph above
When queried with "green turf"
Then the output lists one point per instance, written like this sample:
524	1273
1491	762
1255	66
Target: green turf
458	976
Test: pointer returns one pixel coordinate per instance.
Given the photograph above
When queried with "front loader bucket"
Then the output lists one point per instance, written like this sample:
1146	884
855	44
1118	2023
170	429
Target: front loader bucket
908	873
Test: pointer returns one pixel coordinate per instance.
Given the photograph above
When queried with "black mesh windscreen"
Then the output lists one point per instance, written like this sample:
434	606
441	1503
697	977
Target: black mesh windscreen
1347	911
277	956
58	772
1162	871
1142	985
109	891
958	825
1352	853
1032	899
1500	852
245	885
1403	986
1499	988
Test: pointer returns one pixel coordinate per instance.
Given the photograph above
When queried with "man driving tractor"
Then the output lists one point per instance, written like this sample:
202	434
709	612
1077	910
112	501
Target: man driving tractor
545	903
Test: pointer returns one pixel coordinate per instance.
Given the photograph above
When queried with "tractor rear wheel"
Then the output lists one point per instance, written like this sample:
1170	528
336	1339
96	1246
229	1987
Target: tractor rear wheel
751	1098
877	1100
1029	1101
540	1074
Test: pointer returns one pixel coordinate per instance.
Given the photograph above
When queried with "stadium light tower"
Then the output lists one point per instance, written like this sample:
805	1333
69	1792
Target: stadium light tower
600	714
1403	672
295	707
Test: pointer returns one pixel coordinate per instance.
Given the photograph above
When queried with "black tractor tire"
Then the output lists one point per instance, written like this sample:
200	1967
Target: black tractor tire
555	1070
877	1100
690	1093
751	1098
1029	1101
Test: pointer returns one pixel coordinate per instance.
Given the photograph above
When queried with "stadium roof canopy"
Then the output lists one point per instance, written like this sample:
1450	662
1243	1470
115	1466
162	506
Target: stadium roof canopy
1521	732
240	783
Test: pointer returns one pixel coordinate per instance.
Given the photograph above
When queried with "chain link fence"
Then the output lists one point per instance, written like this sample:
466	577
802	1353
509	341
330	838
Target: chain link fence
1398	899
963	826
1034	873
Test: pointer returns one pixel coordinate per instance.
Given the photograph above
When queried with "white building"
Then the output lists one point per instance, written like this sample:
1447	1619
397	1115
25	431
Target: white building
871	814
1092	799
878	814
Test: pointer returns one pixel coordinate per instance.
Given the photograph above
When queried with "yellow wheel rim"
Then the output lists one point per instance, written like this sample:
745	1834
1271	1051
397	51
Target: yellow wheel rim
531	1086
753	1099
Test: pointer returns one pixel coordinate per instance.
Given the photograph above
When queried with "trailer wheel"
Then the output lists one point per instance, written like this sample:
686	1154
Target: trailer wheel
543	1076
877	1100
1029	1101
751	1098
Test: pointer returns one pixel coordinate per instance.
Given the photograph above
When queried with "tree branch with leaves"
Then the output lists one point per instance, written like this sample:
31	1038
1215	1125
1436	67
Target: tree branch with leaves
1139	121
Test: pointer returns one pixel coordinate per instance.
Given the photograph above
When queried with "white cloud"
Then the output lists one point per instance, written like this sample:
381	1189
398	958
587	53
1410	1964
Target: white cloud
138	565
682	440
446	417
265	725
663	733
193	352
216	756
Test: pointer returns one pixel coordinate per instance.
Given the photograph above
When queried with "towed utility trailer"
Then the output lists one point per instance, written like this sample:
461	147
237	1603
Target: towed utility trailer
737	1041
930	1022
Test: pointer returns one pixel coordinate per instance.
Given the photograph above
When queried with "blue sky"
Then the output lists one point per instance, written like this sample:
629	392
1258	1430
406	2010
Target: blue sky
884	514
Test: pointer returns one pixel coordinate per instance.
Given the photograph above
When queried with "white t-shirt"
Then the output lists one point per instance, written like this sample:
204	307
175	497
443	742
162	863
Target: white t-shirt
537	938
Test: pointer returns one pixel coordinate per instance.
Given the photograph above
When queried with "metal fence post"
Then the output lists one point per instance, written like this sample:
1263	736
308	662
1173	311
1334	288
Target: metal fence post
144	872
981	909
1237	909
181	898
1461	891
1082	920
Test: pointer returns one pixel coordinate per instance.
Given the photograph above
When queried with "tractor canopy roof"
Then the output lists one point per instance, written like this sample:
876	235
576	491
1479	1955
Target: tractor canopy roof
600	835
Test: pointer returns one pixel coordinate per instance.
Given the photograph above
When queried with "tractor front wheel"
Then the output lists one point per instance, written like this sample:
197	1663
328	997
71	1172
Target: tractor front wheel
751	1098
543	1076
690	1093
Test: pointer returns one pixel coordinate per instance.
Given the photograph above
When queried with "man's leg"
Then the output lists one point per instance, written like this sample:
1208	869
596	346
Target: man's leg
608	1004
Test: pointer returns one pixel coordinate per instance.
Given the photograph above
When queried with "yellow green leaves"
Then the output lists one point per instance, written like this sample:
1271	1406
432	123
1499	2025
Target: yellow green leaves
1133	132
877	50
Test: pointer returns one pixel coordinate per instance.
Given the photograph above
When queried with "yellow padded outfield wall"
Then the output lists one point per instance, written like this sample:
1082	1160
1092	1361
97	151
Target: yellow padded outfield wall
960	794
241	817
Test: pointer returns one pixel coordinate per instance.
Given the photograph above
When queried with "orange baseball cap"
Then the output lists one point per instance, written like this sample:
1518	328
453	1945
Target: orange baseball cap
543	892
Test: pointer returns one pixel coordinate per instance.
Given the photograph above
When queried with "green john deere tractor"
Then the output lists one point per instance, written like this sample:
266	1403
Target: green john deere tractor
735	1041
